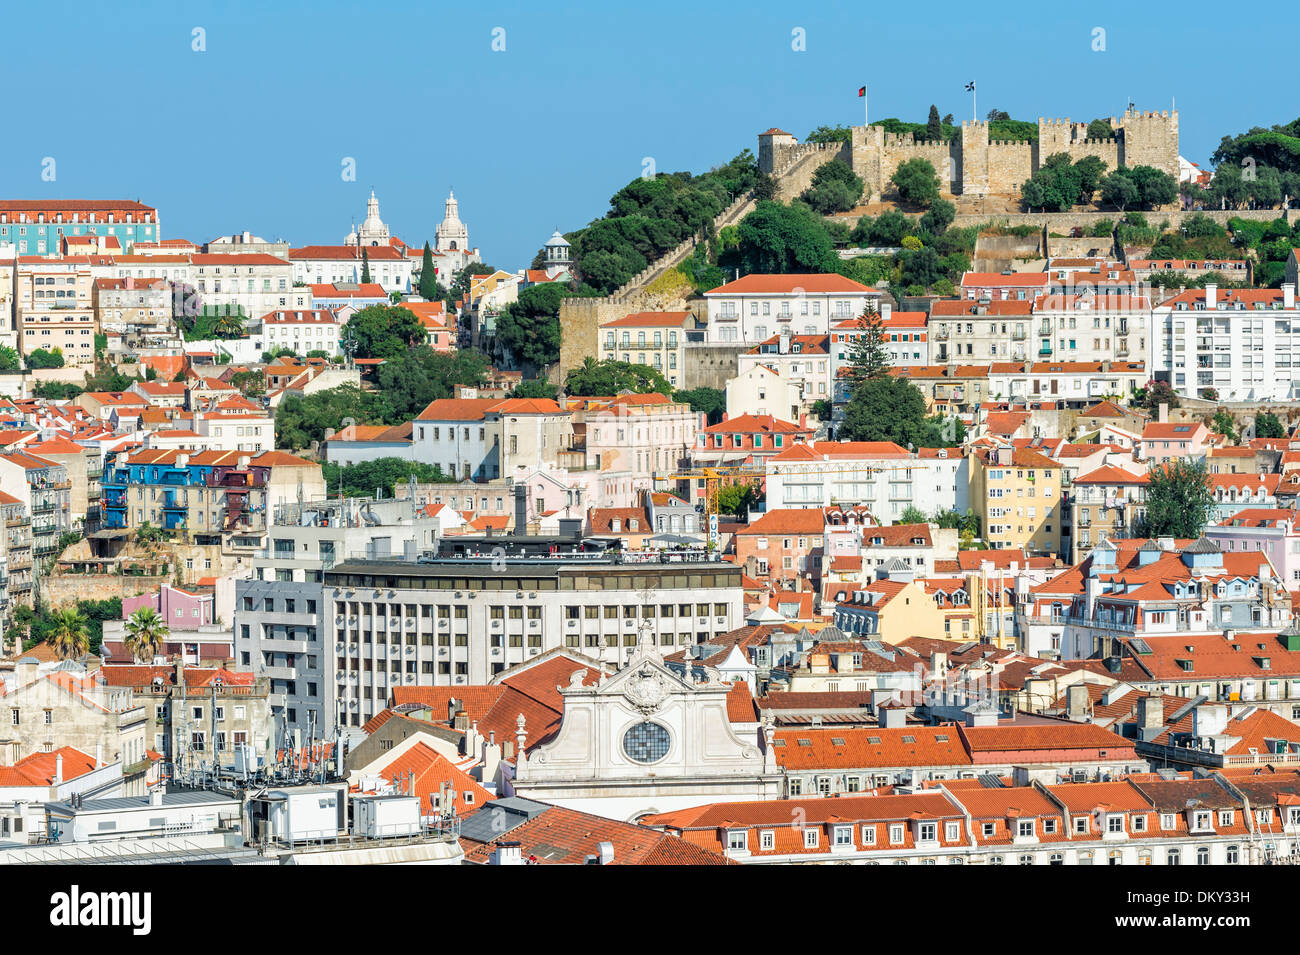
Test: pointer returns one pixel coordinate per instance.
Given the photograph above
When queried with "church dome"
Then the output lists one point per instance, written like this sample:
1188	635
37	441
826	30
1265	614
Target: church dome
556	241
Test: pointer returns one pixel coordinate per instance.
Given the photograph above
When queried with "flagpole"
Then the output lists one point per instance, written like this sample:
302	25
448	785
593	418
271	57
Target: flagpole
865	111
975	113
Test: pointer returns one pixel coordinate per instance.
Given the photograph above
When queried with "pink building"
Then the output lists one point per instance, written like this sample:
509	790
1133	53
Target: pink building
180	609
1165	442
1268	530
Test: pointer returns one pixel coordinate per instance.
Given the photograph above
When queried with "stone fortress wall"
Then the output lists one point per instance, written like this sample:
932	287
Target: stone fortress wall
970	164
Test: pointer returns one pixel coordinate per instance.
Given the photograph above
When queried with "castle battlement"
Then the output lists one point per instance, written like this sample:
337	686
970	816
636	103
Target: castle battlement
972	163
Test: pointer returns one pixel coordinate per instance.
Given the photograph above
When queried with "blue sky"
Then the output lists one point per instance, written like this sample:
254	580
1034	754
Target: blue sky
251	134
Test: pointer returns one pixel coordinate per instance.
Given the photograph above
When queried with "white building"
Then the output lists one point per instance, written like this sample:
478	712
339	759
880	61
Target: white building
301	331
1242	343
753	308
879	475
802	360
390	267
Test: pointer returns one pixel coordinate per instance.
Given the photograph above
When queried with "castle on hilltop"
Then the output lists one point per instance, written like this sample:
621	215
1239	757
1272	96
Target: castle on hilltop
971	164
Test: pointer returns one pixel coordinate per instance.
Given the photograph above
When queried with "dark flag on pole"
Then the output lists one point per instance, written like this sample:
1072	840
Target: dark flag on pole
970	87
862	91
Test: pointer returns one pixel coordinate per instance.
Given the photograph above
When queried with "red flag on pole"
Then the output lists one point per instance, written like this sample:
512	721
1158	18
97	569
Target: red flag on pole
862	91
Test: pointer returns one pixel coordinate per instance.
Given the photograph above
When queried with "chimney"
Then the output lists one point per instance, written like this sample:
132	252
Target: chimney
99	754
156	796
886	310
491	759
606	850
938	664
1211	296
891	717
783	341
1150	717
1076	702
521	509
58	768
507	853
1288	295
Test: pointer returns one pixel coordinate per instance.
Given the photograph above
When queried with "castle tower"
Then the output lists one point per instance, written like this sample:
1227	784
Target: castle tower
974	171
1150	139
452	235
771	147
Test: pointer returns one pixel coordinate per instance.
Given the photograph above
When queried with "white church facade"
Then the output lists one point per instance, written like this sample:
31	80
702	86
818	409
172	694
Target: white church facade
645	740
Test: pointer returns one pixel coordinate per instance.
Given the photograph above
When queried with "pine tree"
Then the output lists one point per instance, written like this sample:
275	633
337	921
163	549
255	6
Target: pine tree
934	128
365	267
867	356
428	277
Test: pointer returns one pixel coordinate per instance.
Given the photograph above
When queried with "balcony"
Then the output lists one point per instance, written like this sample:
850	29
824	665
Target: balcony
1019	335
1044	351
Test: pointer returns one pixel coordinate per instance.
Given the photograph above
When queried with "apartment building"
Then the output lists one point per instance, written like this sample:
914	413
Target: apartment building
1016	493
1107	502
45	490
1243	344
336	265
302	331
38	226
802	360
482	439
656	339
53	308
466	615
755	307
878	475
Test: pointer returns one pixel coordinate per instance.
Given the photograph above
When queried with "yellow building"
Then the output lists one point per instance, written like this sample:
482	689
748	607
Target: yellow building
890	611
1016	492
657	339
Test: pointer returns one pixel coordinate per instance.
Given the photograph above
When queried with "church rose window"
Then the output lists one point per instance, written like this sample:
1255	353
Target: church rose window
646	742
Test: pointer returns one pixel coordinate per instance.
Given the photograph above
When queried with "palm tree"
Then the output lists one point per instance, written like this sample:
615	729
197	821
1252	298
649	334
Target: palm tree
69	635
145	633
229	325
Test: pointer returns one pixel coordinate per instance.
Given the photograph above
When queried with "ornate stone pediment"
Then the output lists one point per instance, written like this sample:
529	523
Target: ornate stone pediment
646	690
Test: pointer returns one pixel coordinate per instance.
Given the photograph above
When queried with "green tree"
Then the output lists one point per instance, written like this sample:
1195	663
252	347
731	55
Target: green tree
737	499
1223	423
912	515
229	325
1155	394
1179	501
938	217
69	636
782	239
300	420
916	182
429	290
868	358
530	327
934	125
835	188
9	359
1119	190
1267	425
252	384
384	474
145	633
409	381
885	409
1155	187
43	358
823	409
830	134
601	378
1100	129
707	401
534	388
146	533
365	267
385	331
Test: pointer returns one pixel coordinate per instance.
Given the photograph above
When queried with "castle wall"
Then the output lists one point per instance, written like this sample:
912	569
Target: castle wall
1010	164
972	165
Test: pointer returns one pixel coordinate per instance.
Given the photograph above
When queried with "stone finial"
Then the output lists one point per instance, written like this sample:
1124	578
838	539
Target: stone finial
521	735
